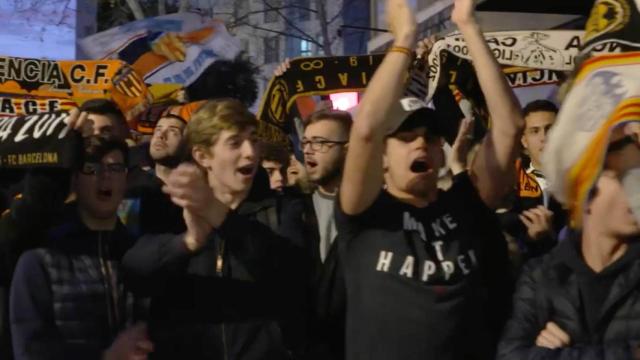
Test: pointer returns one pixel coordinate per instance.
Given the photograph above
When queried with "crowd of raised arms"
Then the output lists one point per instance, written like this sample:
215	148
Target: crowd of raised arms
366	241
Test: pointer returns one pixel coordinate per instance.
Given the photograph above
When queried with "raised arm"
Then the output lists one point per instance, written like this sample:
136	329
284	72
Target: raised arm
493	168
363	174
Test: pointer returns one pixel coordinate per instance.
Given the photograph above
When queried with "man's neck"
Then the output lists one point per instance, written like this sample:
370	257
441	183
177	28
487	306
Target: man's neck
97	224
226	196
600	250
536	164
232	200
162	172
330	188
417	201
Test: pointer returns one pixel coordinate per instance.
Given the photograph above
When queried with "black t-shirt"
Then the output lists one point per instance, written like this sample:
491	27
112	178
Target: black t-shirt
414	289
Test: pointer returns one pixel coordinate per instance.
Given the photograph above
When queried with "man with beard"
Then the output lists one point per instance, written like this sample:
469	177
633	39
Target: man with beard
147	209
324	146
416	258
167	144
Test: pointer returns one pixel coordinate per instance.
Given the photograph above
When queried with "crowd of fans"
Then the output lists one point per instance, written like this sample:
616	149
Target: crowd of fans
206	243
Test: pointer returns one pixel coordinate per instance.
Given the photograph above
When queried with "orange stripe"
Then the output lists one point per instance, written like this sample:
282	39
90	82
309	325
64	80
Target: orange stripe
147	62
601	61
584	173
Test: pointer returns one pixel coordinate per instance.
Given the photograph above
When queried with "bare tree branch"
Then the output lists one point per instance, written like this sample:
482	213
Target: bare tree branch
244	16
281	33
322	14
134	5
286	20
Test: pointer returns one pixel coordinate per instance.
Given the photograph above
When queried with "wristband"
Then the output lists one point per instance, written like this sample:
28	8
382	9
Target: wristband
401	49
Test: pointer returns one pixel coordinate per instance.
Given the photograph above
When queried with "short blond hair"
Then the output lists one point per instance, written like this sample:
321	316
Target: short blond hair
213	117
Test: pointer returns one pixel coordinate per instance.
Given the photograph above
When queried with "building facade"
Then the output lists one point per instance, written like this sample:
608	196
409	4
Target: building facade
434	18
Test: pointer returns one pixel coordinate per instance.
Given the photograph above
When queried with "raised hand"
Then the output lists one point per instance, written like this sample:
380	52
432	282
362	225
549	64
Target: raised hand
463	12
79	121
426	45
402	23
188	188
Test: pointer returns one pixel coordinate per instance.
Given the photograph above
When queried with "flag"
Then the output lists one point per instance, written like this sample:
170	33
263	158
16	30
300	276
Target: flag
173	48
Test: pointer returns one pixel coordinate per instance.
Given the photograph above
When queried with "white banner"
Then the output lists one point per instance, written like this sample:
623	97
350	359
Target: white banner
174	48
550	50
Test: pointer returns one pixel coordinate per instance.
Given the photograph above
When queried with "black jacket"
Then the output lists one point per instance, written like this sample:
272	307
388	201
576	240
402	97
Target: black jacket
67	300
528	194
327	286
24	226
242	296
148	210
552	288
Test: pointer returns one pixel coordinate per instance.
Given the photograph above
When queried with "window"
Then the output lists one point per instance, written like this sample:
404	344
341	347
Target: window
271	50
303	13
271	16
305	48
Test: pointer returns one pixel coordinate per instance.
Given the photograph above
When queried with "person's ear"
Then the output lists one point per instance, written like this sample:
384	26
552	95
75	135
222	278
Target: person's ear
385	163
202	157
523	141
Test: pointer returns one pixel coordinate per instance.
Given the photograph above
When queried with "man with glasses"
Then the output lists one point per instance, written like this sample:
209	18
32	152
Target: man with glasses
67	298
311	221
324	146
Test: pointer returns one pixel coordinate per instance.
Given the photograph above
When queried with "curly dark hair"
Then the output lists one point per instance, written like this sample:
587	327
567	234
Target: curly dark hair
227	79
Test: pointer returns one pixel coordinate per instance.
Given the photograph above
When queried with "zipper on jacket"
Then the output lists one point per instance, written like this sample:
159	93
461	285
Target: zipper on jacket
219	270
111	296
225	352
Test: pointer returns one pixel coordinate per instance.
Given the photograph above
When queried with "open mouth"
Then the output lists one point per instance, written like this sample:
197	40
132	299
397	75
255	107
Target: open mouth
246	170
420	166
311	164
105	194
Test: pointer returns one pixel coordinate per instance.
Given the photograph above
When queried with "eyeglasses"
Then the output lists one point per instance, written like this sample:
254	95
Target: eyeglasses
320	145
98	168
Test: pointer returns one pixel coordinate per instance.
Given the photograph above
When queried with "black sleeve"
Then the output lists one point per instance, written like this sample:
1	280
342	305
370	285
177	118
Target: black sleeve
292	221
287	286
523	326
519	336
152	260
349	225
42	198
23	227
34	331
462	186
